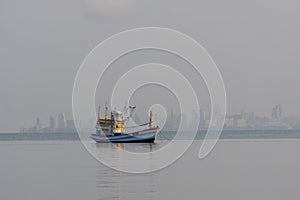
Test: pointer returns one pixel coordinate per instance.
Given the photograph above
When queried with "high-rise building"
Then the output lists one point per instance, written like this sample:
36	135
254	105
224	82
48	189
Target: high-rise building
70	125
61	121
38	124
202	119
195	119
172	119
182	118
251	119
52	124
276	112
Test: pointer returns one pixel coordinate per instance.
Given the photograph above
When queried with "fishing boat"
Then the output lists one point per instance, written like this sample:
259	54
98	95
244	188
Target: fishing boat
113	129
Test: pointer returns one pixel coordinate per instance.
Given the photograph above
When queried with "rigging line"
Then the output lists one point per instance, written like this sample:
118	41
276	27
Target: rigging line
137	125
147	123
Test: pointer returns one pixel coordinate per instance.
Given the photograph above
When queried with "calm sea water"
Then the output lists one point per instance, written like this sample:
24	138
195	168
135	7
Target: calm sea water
57	166
226	134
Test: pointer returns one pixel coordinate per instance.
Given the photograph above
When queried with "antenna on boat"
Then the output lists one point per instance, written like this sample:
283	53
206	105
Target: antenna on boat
106	110
131	110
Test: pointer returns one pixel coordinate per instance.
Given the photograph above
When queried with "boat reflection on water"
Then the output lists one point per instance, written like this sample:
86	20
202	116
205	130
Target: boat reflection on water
120	145
135	148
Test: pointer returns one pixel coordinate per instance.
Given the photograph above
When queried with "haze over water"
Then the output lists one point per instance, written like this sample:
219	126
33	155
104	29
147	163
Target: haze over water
236	169
255	45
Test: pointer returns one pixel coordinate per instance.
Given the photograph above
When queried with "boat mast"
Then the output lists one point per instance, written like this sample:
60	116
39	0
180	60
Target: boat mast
150	123
98	112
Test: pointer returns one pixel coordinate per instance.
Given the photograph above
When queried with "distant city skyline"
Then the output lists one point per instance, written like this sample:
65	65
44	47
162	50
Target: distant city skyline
246	120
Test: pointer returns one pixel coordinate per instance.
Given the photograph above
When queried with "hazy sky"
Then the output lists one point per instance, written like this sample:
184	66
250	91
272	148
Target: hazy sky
42	44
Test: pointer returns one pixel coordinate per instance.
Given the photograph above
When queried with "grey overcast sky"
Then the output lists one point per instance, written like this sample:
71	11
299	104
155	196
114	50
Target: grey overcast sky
255	44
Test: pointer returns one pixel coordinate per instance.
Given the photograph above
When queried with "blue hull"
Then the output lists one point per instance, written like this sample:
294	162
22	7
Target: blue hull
132	139
145	136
